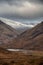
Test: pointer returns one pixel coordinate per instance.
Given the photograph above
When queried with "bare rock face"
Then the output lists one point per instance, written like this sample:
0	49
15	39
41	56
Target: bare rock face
31	39
7	34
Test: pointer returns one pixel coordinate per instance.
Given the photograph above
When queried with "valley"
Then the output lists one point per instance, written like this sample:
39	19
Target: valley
21	49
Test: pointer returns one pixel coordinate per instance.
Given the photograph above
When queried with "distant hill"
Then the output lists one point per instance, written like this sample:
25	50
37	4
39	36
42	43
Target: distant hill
31	39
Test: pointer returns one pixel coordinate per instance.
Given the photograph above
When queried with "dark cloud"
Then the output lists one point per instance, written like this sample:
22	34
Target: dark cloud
17	2
21	9
36	1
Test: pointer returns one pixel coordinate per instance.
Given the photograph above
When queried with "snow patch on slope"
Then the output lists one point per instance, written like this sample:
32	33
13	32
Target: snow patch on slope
15	24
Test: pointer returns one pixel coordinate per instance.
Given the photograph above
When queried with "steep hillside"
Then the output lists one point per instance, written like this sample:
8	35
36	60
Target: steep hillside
7	34
30	39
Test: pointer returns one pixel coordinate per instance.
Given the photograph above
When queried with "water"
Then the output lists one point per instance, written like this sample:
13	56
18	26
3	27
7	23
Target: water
21	50
13	49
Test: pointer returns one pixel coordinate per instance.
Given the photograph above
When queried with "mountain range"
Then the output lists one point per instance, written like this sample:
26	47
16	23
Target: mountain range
9	31
30	39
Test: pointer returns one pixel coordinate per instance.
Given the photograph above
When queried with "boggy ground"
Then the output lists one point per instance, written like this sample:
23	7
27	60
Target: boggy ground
21	58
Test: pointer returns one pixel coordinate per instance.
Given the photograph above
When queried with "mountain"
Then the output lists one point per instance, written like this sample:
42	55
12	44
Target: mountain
20	27
9	30
7	34
30	39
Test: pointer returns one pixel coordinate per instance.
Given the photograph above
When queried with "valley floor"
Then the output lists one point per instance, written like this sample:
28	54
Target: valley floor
21	57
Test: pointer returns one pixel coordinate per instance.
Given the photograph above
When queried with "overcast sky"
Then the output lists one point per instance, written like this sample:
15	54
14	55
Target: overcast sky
22	10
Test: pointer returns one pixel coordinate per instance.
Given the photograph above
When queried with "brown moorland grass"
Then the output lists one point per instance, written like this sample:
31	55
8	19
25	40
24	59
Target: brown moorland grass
21	58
